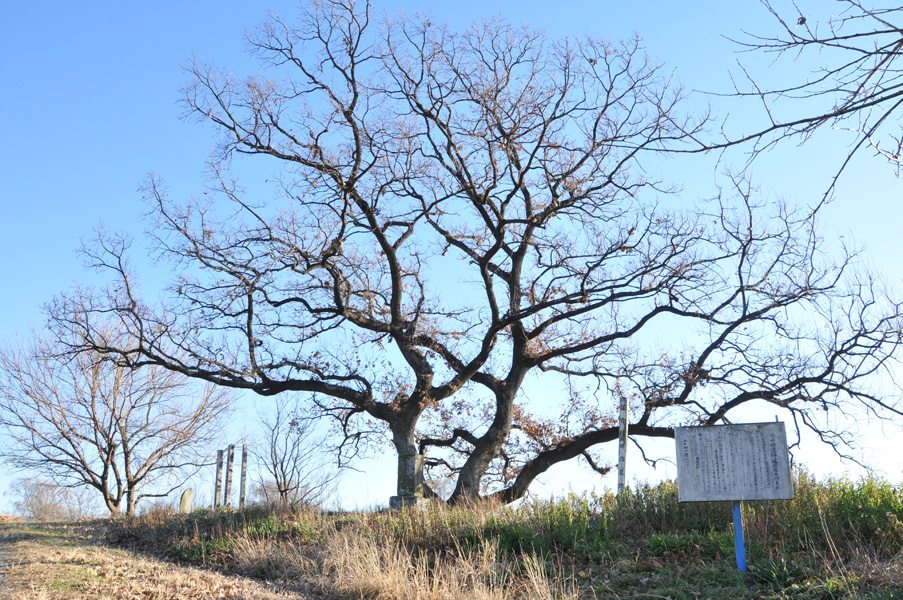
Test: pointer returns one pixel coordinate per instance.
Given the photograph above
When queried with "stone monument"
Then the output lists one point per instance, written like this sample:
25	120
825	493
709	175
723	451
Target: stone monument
186	502
410	483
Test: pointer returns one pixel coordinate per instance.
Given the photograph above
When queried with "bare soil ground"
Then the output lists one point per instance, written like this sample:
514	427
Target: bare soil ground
66	562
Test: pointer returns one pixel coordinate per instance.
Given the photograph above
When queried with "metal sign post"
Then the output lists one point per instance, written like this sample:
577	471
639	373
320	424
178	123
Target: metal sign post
739	545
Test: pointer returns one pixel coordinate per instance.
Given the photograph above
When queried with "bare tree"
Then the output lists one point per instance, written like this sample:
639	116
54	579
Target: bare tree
465	217
83	421
37	499
856	86
295	460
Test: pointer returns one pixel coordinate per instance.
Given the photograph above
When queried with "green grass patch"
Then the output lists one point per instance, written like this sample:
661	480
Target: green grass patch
72	579
202	551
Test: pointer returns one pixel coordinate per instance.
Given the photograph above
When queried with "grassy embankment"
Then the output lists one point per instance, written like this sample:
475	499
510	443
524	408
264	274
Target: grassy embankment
836	539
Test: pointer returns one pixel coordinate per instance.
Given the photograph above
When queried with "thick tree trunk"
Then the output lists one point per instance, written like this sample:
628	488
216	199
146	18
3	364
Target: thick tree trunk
468	487
410	462
403	440
131	503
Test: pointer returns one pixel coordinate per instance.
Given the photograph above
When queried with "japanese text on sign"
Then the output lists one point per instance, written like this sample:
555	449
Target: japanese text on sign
733	462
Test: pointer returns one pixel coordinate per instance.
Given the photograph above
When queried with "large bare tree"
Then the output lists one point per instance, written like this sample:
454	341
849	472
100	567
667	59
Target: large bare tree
85	421
463	222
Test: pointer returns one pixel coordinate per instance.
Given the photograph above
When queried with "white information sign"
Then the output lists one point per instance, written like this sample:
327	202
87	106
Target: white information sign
733	462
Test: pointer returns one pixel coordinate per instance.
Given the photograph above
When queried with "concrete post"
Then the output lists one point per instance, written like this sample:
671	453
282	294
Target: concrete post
230	462
244	475
219	479
622	445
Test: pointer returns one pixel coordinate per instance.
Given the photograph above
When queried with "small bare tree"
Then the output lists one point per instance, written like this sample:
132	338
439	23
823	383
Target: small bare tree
297	471
83	420
38	499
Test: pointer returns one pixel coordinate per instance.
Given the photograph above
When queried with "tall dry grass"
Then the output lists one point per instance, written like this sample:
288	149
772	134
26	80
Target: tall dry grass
413	555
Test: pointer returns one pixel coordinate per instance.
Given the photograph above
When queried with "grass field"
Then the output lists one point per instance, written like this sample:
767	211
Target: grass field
836	539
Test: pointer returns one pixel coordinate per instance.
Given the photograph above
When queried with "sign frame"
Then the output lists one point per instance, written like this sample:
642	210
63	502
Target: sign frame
731	463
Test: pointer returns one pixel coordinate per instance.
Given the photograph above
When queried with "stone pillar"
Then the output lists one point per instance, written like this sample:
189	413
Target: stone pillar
244	475
410	482
230	462
219	479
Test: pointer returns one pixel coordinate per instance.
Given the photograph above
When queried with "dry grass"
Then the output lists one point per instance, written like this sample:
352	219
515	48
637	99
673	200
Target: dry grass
413	555
365	567
53	563
356	560
547	551
643	545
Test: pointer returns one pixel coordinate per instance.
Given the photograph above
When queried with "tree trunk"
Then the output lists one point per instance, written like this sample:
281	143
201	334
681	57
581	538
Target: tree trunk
489	445
410	462
131	503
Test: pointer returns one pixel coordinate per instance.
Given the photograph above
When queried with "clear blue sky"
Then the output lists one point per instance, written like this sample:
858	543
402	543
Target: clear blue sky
89	108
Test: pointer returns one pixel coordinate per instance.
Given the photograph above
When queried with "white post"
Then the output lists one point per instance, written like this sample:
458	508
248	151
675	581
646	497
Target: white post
244	475
219	479
230	461
622	445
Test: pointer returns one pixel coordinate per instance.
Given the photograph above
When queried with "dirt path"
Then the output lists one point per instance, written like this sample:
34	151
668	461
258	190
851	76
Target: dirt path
42	564
5	562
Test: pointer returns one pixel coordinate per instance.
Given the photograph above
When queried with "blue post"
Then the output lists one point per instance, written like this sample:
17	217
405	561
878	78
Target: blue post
739	546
